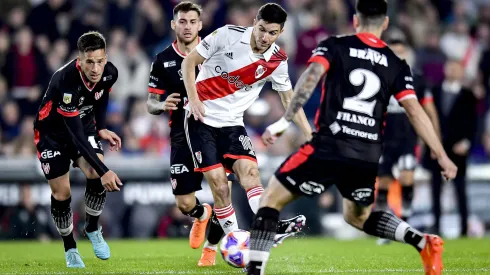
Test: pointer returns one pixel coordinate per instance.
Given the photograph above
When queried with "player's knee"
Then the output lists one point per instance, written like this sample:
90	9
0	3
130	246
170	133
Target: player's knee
185	203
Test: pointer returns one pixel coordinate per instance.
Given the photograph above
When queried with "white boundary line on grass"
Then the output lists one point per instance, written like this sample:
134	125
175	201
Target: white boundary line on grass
239	271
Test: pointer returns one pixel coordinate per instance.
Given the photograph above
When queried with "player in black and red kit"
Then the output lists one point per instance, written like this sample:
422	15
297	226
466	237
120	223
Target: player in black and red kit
400	139
167	94
68	128
362	75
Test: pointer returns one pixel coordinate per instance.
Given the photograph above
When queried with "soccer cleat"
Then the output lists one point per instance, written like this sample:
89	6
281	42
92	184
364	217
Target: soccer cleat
73	259
295	224
208	257
101	248
279	238
198	230
382	241
432	255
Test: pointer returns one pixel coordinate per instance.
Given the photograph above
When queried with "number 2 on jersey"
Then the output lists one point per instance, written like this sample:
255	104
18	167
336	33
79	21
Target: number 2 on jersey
372	85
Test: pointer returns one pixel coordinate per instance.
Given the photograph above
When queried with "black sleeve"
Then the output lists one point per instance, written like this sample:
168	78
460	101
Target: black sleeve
157	85
324	53
75	127
403	87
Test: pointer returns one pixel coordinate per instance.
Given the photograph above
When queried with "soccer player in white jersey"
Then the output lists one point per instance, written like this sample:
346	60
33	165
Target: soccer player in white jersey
236	63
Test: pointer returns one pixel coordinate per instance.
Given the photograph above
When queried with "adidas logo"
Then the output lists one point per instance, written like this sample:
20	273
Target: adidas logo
229	55
227	224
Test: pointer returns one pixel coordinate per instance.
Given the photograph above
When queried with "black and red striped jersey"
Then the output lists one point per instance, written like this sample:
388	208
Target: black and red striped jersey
362	75
69	94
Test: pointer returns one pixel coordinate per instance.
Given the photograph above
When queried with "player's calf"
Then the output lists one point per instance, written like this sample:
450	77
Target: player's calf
63	219
95	197
262	235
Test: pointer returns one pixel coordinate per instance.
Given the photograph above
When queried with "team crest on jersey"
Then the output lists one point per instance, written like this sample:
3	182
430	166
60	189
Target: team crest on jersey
80	101
45	167
199	156
99	95
174	183
67	98
260	71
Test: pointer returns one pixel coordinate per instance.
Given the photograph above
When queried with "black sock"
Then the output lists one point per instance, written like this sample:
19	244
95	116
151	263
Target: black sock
95	196
382	199
262	235
63	219
388	226
197	211
407	197
215	230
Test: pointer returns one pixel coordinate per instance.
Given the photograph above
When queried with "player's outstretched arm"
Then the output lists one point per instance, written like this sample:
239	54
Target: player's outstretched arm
189	77
425	130
155	106
302	92
431	111
300	118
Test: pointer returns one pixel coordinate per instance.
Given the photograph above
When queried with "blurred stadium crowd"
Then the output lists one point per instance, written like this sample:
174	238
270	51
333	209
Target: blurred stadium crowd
38	36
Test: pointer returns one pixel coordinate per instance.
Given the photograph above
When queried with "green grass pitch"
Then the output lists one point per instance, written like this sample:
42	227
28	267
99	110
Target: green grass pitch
295	256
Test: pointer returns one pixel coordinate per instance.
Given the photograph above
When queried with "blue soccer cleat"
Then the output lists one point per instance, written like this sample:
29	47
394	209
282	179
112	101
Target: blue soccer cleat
101	248
73	259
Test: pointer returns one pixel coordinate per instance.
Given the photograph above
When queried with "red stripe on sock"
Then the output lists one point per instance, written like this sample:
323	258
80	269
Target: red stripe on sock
224	209
256	191
225	215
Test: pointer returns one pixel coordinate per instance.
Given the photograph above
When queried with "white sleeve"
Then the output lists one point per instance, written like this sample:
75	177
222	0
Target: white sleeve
213	42
280	78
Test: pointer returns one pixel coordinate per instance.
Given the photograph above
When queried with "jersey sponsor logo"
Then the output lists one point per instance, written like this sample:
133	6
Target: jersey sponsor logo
169	64
98	95
247	144
47	154
311	187
229	55
178	169
235	80
153	85
362	194
67	98
335	128
68	109
369	54
80	101
107	78
260	71
180	74
358	133
198	156
394	107
358	119
45	167
319	51
205	44
153	78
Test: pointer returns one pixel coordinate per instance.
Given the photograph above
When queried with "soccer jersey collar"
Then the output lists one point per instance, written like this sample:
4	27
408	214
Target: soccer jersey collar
247	35
176	48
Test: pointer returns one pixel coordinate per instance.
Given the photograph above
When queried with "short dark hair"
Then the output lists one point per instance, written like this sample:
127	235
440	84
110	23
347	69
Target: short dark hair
187	6
91	41
272	13
371	12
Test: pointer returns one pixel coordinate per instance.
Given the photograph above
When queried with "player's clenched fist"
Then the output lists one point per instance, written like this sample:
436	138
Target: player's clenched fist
449	169
110	181
171	102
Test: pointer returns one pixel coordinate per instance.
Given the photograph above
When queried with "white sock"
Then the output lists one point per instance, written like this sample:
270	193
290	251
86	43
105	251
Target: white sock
253	195
210	246
260	256
204	213
227	218
403	229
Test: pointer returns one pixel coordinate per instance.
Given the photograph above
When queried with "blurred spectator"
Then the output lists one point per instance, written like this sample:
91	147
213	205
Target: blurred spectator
9	121
430	58
456	107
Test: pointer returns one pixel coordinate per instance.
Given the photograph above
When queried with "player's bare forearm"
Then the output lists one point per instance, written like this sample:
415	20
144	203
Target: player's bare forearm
431	111
423	126
153	104
300	117
189	73
304	88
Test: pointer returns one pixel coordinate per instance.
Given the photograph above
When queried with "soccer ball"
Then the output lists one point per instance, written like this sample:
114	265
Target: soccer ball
234	248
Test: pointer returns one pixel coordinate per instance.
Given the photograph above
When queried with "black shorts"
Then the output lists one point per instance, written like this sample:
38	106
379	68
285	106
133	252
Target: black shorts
182	175
56	154
304	173
401	154
217	147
